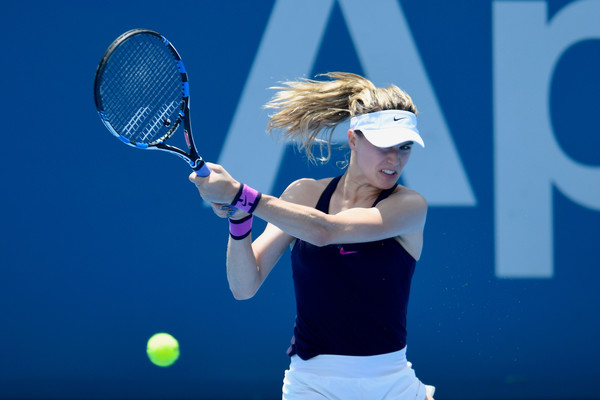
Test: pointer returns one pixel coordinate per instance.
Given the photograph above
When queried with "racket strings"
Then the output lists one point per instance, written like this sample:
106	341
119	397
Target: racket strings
142	89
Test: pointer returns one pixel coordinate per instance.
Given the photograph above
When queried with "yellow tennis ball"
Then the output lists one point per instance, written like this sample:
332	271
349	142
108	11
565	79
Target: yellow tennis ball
163	349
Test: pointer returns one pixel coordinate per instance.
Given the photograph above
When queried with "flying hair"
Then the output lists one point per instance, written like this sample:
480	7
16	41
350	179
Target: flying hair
308	110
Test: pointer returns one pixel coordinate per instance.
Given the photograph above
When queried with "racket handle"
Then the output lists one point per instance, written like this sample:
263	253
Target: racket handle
203	170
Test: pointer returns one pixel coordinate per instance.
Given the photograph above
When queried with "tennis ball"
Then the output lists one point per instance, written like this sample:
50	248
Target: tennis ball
163	349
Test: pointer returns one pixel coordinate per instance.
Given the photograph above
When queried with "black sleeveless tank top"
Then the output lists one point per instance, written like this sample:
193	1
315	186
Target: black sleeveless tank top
351	299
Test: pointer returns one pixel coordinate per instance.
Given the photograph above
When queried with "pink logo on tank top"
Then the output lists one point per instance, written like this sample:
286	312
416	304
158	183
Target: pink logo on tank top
345	252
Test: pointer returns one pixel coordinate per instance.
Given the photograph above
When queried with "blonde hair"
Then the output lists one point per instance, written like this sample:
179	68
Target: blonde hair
309	110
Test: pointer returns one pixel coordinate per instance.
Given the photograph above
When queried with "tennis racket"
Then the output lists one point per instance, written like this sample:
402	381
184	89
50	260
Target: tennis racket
142	95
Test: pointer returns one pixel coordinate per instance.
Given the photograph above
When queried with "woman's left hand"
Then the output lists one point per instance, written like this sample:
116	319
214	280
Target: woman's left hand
218	187
227	211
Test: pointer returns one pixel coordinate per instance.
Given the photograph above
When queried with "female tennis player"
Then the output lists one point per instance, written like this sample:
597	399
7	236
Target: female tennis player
355	239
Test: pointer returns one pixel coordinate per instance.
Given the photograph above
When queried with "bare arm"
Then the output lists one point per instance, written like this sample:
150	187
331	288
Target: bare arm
294	216
249	263
401	213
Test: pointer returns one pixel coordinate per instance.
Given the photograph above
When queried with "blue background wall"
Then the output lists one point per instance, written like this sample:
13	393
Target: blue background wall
102	246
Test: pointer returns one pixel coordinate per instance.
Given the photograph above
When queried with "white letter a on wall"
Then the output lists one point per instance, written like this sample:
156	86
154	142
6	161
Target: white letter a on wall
288	50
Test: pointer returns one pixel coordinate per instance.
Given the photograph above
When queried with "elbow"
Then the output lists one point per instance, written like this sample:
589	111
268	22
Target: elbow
321	237
324	232
242	293
243	284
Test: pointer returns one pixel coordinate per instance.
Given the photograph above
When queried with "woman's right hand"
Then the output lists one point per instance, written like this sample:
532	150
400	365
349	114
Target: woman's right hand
218	187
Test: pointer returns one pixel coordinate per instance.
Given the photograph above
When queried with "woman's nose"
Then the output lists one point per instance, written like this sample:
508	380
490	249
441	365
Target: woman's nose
393	156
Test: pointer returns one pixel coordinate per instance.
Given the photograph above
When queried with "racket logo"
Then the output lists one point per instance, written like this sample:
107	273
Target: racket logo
187	138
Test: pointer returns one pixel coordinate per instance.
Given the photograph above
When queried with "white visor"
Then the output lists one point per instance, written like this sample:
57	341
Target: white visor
388	128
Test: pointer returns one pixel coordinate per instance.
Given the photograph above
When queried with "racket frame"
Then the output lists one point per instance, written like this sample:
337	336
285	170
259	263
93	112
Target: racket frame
192	158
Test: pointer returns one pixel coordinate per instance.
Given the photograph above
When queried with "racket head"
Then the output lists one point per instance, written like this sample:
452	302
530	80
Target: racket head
141	89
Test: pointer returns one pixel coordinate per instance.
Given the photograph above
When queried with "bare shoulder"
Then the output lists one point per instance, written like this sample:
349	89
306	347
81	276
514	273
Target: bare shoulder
404	195
411	208
305	191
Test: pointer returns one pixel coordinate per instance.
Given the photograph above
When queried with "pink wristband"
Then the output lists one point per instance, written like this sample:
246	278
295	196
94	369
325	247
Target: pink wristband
239	229
246	199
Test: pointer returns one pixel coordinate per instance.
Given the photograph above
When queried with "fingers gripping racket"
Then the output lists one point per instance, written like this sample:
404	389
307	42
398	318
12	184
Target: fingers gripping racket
142	94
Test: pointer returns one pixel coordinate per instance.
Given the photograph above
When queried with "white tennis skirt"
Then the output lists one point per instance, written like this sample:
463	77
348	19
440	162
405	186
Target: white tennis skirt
381	377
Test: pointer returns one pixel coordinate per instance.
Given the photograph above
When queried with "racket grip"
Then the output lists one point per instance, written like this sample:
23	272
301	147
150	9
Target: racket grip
203	170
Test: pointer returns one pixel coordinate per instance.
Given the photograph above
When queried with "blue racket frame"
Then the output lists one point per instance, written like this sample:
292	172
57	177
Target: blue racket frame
191	157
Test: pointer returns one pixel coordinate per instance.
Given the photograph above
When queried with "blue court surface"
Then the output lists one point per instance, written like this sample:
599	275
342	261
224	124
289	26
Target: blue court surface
102	246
